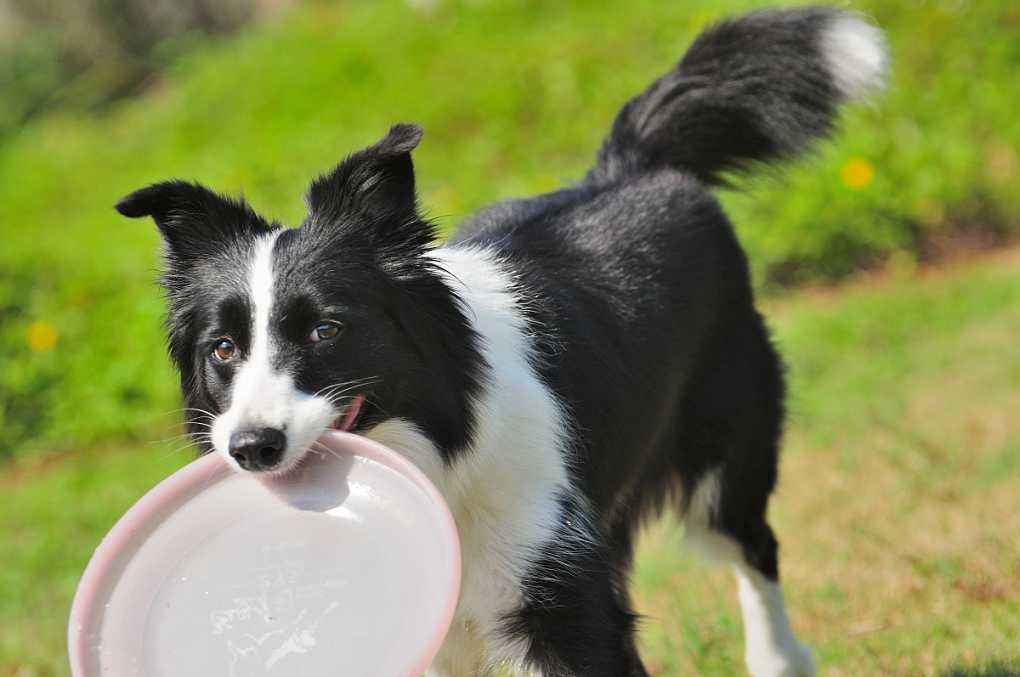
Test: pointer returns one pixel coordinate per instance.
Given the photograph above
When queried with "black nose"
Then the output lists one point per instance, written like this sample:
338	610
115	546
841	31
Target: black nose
259	449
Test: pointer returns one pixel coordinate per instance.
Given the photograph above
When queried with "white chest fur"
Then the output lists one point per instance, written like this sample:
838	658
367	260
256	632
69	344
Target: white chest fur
504	490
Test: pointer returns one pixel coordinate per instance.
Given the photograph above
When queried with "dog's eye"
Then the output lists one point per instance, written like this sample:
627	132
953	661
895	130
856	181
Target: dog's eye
324	331
225	350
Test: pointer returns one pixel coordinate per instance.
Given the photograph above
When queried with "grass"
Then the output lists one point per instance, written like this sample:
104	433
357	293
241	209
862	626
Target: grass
515	97
896	511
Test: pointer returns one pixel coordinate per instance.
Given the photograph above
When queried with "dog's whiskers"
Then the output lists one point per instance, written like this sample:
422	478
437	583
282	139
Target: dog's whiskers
192	442
336	389
172	438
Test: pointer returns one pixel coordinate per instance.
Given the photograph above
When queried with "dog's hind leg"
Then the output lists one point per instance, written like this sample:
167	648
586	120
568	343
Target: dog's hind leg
728	467
749	546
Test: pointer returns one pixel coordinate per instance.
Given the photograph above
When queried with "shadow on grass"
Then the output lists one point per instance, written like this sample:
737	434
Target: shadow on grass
993	668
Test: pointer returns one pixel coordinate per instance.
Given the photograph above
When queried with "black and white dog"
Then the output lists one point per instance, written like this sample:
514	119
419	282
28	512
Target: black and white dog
564	366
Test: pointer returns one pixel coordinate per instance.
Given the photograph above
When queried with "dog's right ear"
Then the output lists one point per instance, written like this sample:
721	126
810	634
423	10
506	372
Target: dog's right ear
191	218
372	194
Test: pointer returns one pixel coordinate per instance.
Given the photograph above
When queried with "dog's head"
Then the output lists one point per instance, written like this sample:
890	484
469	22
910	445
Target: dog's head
280	333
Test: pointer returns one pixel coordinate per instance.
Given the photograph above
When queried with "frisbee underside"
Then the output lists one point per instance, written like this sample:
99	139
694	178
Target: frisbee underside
345	567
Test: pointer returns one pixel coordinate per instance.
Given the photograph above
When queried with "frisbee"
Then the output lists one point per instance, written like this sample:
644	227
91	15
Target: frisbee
349	565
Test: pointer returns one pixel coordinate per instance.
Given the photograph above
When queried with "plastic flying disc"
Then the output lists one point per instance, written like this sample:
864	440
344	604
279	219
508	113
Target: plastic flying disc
350	565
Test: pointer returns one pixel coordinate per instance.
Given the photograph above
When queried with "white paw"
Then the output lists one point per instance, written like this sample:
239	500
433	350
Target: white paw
791	660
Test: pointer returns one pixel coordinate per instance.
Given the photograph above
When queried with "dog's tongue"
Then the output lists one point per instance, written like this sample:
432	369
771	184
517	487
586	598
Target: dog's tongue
351	413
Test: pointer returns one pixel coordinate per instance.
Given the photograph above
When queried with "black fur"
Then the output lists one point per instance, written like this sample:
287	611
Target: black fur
640	310
364	241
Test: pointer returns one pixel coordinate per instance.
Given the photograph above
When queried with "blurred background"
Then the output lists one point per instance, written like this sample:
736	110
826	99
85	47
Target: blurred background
886	264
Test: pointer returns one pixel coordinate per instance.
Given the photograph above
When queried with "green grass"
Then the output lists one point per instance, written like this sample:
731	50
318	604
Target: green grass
515	97
896	510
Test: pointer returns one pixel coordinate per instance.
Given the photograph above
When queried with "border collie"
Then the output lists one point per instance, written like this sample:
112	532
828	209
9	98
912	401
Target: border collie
561	368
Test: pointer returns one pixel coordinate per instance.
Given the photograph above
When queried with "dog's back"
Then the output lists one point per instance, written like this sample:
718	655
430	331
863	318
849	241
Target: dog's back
635	274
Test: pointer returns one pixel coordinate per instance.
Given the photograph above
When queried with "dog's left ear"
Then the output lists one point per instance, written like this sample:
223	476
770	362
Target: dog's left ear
373	191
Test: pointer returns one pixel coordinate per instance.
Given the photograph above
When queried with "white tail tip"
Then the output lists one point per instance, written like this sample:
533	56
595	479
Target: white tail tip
855	53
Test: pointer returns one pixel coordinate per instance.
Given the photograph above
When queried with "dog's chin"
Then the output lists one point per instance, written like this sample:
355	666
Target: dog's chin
290	463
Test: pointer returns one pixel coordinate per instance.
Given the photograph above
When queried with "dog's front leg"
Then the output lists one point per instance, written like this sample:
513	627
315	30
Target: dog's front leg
561	612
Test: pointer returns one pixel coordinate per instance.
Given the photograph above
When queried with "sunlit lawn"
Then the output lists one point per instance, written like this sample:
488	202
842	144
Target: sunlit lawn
898	510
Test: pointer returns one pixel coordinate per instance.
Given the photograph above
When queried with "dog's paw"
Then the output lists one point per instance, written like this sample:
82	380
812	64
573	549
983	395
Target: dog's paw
791	659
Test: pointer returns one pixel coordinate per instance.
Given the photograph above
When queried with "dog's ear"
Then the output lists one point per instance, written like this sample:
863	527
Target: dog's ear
373	191
191	218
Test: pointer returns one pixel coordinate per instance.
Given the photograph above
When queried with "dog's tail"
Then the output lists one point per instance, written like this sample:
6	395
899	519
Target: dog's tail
757	88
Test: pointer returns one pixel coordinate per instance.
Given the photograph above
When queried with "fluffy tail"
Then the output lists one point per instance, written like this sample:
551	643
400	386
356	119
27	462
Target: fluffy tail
757	88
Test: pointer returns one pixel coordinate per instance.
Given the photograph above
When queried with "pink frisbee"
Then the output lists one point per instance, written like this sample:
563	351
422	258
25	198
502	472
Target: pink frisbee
349	566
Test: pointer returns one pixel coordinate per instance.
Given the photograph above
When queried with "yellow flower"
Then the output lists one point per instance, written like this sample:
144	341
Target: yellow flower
41	336
857	173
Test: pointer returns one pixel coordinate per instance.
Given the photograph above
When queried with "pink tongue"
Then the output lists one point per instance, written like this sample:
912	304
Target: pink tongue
351	414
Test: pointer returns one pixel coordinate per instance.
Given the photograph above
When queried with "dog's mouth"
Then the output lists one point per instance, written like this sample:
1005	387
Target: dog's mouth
348	418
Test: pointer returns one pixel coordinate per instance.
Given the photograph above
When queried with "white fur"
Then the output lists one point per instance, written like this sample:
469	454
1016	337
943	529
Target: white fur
701	510
502	490
855	54
261	396
771	649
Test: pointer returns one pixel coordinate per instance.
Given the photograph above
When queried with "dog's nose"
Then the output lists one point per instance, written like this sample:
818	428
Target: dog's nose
259	449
